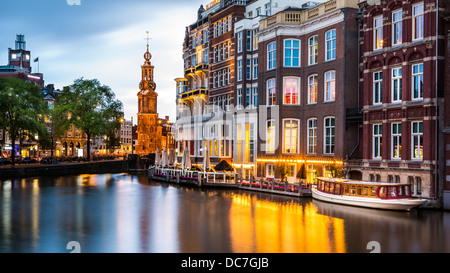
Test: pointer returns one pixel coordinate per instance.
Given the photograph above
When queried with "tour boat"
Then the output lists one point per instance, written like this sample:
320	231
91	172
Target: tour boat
391	196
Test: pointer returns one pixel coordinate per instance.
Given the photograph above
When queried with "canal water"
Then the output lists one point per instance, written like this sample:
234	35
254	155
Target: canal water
126	213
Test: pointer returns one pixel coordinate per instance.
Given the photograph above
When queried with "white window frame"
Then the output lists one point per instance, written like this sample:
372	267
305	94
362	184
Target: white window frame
298	90
240	42
311	139
378	31
396	81
397	25
291	49
272	55
396	136
377	88
255	68
420	138
417	76
418	18
377	140
330	45
271	135
271	85
314	84
313	49
291	146
329	88
239	70
332	137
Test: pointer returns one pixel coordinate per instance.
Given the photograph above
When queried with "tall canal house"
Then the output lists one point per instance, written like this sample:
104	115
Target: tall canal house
402	46
270	82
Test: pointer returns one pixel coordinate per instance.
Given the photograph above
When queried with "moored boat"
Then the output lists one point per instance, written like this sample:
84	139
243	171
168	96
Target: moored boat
391	196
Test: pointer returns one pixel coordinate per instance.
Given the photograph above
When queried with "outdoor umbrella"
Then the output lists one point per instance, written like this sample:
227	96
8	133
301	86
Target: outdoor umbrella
206	161
188	159
157	158
165	159
172	157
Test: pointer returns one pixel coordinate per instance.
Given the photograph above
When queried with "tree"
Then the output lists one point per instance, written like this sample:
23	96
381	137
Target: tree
22	111
335	169
90	107
282	168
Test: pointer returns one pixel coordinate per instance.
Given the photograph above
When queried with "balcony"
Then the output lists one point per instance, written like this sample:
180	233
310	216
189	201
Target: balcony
298	16
195	92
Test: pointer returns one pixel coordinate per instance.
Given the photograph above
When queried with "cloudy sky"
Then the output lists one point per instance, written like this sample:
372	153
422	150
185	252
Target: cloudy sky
102	39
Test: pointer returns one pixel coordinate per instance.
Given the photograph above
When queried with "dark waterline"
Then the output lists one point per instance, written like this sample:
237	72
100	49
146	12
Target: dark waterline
128	214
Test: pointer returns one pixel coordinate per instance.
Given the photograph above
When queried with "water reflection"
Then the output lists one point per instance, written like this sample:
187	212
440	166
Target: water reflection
126	213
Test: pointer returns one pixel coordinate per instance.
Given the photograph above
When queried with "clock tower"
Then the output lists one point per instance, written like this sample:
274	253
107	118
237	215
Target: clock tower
148	128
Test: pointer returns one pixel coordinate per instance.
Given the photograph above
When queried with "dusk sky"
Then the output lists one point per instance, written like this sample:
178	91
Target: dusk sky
102	39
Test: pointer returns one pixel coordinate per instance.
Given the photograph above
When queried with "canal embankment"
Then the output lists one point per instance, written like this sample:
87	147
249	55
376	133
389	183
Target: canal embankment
59	169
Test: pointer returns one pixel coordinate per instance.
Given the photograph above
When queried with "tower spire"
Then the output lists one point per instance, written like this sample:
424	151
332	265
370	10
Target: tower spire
147	55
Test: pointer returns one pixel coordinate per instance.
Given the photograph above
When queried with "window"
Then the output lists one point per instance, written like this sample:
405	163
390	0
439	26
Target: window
214	79
255	97
417	21
290	133
267	7
291	90
239	98
240	41
312	89
271	55
255	39
417	81
330	45
418	185
397	84
270	137
248	69
249	40
239	70
249	142
378	32
258	11
377	87
397	27
270	173
255	68
292	53
312	136
313	50
330	86
329	135
271	92
377	133
248	97
417	139
396	143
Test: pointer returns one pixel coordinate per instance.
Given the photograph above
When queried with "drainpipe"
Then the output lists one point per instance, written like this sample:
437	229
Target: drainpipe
437	169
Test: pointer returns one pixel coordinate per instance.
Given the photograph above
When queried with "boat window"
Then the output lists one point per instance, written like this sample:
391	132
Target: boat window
407	191
365	191
401	190
358	190
392	192
338	189
331	188
382	193
373	191
352	190
346	189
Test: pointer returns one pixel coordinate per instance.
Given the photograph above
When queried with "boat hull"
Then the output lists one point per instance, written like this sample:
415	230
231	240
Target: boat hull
377	203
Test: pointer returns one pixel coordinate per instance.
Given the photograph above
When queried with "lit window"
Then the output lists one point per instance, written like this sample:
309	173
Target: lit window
397	84
417	21
330	86
417	81
378	32
397	27
377	137
330	45
396	140
313	52
270	137
377	87
291	90
255	39
271	55
312	89
292	53
290	133
417	139
329	135
312	136
271	92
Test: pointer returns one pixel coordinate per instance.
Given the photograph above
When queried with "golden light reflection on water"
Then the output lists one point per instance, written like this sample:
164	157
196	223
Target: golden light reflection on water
258	225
